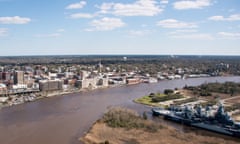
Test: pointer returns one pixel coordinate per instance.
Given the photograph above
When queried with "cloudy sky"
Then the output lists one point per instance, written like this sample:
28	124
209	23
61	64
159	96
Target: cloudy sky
60	27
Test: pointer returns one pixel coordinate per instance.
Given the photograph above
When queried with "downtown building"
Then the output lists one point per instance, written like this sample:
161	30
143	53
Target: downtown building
50	85
18	77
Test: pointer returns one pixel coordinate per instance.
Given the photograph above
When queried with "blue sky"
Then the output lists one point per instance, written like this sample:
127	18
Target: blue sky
176	27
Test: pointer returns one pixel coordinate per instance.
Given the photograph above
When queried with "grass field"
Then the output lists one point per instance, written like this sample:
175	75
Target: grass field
155	99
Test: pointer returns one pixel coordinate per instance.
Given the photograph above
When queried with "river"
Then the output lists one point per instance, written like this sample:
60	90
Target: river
63	119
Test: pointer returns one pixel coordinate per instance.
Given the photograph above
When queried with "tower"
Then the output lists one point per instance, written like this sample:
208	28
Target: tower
100	67
18	77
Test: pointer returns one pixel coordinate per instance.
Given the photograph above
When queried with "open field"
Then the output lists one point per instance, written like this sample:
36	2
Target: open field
159	99
147	101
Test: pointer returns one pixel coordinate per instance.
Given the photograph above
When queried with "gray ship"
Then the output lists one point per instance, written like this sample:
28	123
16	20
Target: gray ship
216	120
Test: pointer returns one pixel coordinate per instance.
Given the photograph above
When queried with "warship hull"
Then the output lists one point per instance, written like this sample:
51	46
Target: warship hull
218	128
213	128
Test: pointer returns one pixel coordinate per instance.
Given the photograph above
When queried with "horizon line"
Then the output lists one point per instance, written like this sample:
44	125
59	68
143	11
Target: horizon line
173	55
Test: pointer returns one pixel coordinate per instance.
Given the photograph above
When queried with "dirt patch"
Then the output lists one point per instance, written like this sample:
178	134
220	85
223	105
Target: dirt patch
237	118
234	100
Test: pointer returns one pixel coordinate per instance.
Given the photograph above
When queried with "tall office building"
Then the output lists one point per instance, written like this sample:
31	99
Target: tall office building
18	77
6	76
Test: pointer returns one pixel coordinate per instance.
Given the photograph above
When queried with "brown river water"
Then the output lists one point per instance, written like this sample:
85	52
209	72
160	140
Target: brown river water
63	119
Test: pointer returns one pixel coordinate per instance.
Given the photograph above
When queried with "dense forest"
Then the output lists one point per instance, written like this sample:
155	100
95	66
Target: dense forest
152	64
207	89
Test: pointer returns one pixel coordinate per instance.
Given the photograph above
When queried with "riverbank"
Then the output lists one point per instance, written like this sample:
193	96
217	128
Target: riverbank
144	100
42	95
101	132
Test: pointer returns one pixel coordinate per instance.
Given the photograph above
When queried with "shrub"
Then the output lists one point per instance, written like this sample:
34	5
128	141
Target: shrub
205	93
125	118
105	142
152	94
166	98
145	116
168	91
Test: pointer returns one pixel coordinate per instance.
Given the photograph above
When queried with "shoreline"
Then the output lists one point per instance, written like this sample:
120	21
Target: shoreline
59	93
56	94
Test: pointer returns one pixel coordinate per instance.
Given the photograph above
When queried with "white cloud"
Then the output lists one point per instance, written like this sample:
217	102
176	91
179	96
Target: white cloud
228	35
144	25
172	23
194	36
186	30
81	15
58	33
164	2
61	30
106	24
234	17
187	4
14	20
191	34
138	8
78	5
183	31
3	32
54	35
216	18
139	32
105	7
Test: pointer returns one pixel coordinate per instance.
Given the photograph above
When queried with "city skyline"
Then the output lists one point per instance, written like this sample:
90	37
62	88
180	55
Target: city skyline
159	27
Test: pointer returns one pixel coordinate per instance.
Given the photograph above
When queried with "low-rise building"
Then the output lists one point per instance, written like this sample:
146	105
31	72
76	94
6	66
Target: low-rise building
50	85
131	81
92	83
3	89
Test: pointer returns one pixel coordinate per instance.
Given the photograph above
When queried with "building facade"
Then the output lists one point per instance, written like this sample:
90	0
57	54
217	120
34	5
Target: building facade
18	77
50	85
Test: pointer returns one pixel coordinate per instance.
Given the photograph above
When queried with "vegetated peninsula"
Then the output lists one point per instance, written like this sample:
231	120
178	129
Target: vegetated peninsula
124	126
205	94
159	99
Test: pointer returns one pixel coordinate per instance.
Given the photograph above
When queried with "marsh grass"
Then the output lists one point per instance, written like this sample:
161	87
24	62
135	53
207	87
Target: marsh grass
125	118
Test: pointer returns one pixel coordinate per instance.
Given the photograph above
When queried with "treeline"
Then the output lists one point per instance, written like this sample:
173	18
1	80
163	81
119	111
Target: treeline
207	89
148	64
168	95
